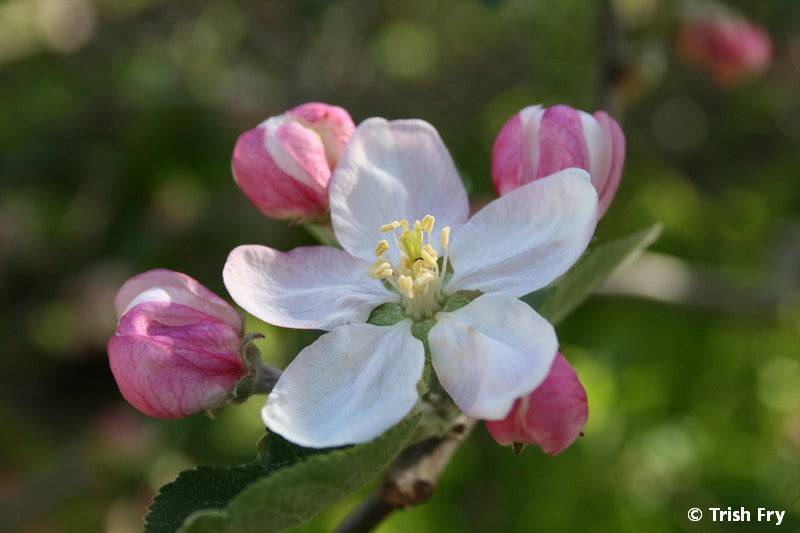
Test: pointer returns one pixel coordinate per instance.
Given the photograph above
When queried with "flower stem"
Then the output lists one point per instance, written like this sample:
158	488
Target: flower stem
265	378
322	233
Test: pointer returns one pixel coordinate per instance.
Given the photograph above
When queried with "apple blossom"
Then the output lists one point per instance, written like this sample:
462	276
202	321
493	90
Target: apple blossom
451	292
551	417
284	165
725	44
538	141
176	348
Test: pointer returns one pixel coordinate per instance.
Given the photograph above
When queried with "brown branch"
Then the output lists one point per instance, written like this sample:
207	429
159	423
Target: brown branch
411	480
612	64
366	516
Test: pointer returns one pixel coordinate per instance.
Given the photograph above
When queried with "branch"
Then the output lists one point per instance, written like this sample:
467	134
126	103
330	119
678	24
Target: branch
671	280
411	480
612	65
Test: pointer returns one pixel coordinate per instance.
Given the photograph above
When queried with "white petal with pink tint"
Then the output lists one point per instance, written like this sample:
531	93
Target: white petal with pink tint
389	171
524	240
315	287
278	132
162	285
350	386
490	352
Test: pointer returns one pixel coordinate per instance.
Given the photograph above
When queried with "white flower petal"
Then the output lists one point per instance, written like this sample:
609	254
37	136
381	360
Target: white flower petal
316	287
390	171
490	352
599	156
350	386
524	240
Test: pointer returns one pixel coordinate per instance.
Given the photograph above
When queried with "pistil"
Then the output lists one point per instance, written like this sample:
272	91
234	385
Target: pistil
416	276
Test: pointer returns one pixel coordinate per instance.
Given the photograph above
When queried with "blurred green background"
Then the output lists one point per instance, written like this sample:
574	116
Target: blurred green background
117	121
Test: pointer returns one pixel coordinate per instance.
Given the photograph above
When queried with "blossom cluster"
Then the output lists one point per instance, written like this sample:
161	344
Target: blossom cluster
417	294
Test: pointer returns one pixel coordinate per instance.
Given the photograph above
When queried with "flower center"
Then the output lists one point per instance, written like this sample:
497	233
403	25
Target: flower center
417	276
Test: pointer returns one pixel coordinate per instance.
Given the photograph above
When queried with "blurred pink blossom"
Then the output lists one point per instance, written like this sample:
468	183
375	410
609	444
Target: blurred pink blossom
176	348
284	165
538	141
728	46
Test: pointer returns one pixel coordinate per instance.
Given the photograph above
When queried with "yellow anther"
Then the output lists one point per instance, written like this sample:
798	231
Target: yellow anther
429	255
423	280
445	237
381	247
406	285
416	276
381	269
427	223
390	226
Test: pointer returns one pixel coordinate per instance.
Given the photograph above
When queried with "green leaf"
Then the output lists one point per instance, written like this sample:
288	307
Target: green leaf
278	452
212	487
597	264
292	495
203	487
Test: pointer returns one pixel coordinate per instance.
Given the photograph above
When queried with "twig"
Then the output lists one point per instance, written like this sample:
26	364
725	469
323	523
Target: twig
612	67
411	481
366	516
413	478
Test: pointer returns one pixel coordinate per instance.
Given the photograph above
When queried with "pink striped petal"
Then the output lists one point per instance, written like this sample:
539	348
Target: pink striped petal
332	123
274	192
536	143
612	150
304	149
561	140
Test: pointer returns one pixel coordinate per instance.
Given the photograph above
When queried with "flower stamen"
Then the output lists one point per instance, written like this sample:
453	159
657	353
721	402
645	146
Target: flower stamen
416	276
381	247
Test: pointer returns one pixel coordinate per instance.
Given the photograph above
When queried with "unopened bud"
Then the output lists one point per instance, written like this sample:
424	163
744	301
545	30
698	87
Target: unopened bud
538	142
284	165
176	350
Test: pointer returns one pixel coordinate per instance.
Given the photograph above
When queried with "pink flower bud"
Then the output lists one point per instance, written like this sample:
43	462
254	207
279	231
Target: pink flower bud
537	142
551	417
726	45
284	165
176	348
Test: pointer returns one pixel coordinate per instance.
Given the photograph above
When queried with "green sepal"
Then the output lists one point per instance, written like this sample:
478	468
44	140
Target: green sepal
387	314
253	382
